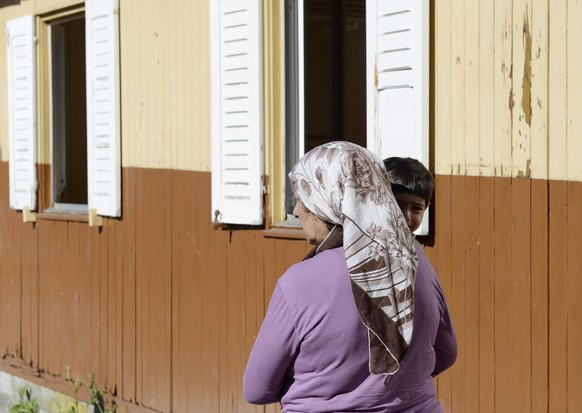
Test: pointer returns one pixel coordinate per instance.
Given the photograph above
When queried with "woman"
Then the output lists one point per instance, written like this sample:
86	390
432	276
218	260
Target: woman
361	324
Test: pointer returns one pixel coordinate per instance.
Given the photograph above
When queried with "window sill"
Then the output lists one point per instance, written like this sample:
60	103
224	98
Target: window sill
63	215
288	229
284	233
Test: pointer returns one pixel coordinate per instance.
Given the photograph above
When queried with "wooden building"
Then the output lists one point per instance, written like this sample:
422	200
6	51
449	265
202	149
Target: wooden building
137	244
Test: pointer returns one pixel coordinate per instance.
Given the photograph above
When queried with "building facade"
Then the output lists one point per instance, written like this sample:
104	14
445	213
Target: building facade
135	271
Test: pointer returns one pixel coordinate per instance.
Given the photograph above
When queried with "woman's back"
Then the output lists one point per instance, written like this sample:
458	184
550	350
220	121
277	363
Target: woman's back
312	351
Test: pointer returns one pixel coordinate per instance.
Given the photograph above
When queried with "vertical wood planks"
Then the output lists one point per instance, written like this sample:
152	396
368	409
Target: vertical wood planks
218	315
471	107
153	268
558	311
10	291
458	86
207	397
270	276
573	289
503	320
506	252
539	88
521	88
187	295
557	90
30	293
443	265
520	294
504	97
219	269
457	298
127	228
486	82
472	276
486	369
255	306
165	46
574	99
235	305
539	296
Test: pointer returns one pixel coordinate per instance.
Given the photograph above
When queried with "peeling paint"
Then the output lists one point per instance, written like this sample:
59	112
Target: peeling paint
511	95
526	81
527	172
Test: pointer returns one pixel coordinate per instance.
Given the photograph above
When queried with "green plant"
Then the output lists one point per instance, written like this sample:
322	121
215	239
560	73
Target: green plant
97	395
97	399
26	404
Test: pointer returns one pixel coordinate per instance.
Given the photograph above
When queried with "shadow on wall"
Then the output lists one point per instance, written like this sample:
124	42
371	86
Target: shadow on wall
4	3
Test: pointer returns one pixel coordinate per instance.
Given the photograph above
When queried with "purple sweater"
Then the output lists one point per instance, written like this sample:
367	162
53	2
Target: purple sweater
311	353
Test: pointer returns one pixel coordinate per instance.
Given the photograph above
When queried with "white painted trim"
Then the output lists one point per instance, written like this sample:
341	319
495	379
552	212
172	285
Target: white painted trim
237	127
103	107
21	86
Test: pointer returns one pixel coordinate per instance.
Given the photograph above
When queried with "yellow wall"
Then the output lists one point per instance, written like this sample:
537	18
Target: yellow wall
508	80
273	97
165	89
507	84
165	81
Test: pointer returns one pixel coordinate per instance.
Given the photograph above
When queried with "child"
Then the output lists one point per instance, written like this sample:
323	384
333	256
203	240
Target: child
412	185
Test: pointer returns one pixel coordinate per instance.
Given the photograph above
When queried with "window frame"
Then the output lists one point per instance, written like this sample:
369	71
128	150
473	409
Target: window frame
59	136
295	99
103	129
47	206
295	96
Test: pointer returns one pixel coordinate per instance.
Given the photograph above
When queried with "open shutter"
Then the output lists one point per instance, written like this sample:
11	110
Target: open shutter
237	161
398	79
103	114
21	112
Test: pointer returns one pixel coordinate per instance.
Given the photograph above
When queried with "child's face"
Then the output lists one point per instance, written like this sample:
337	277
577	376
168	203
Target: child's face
413	207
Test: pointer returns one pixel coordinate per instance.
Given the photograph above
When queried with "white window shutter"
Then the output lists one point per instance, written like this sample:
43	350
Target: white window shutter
398	79
237	154
20	37
103	107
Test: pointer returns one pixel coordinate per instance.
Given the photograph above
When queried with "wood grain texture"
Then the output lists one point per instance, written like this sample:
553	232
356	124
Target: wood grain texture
164	308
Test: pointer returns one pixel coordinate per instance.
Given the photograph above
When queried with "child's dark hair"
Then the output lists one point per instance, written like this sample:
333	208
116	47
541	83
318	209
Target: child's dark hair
410	175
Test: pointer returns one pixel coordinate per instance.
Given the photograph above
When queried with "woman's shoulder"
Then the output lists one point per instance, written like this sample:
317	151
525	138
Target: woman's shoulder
327	264
333	256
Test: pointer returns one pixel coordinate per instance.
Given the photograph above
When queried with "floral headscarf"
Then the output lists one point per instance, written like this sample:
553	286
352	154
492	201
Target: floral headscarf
343	183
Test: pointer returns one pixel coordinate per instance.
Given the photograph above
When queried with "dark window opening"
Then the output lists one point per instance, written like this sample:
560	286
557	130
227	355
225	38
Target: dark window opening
69	111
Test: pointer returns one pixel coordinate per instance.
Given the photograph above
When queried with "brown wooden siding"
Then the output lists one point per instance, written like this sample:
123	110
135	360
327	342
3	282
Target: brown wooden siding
164	308
508	254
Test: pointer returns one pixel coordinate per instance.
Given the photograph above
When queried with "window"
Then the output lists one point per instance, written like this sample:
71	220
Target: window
78	135
354	70
357	70
325	76
69	113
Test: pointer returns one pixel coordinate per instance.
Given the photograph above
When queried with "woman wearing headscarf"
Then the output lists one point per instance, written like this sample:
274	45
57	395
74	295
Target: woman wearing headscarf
361	324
